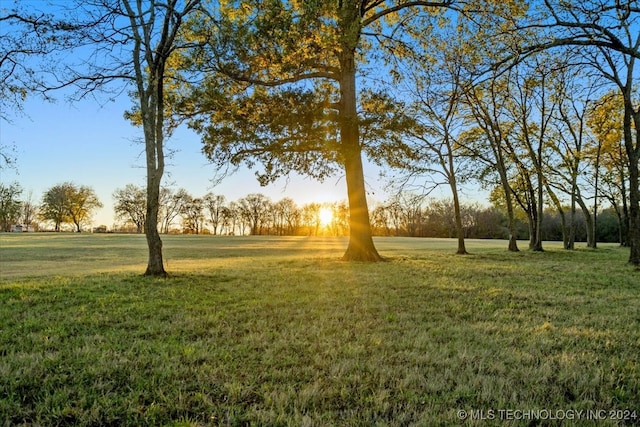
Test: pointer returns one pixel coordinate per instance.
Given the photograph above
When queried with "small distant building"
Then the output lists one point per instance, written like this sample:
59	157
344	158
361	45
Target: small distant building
16	228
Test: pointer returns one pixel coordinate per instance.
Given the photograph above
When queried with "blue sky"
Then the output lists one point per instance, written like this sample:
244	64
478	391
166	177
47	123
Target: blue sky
90	143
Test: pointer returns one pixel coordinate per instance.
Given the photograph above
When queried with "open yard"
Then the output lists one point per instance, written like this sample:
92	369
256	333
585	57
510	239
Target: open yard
278	331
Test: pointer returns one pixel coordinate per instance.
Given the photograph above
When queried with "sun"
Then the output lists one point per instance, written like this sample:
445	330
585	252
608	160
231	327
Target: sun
326	216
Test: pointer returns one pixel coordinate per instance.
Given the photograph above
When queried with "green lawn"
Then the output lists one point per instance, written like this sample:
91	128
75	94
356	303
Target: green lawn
279	331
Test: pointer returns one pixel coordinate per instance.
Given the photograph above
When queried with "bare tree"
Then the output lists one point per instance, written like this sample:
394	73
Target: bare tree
255	208
440	121
486	144
192	212
215	205
29	211
131	203
170	206
123	41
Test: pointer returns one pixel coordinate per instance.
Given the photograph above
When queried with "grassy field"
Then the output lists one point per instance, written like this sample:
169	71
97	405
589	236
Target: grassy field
278	331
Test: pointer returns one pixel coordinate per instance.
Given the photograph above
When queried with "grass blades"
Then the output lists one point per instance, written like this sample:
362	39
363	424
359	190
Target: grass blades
252	331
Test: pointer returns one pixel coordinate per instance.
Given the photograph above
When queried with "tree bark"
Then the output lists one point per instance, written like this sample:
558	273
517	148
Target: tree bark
462	250
595	196
589	222
567	243
155	169
155	265
361	247
633	155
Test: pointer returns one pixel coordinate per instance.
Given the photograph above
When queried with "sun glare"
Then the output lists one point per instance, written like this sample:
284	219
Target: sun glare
326	216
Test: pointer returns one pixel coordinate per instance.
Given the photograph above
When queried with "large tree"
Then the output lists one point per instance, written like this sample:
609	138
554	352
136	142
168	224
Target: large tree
300	63
106	43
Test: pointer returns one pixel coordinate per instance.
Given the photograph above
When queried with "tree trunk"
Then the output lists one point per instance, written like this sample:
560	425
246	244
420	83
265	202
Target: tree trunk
511	217
572	219
567	243
540	201
633	155
459	228
589	222
152	111
155	265
532	216
595	196
462	250
621	224
361	247
532	228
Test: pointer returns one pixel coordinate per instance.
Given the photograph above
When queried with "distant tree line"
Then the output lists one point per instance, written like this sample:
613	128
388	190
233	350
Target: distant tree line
70	206
65	204
404	215
254	214
415	216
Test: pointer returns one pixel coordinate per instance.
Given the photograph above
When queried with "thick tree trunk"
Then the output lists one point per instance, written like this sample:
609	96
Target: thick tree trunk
154	140
633	155
155	265
361	247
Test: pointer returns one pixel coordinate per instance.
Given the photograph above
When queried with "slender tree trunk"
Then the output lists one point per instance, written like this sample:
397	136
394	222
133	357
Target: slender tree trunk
595	197
540	201
513	239
532	228
624	241
459	228
532	215
462	250
154	140
563	219
621	228
572	218
589	222
511	217
361	247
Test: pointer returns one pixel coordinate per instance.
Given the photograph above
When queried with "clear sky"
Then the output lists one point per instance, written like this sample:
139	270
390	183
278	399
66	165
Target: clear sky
90	143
